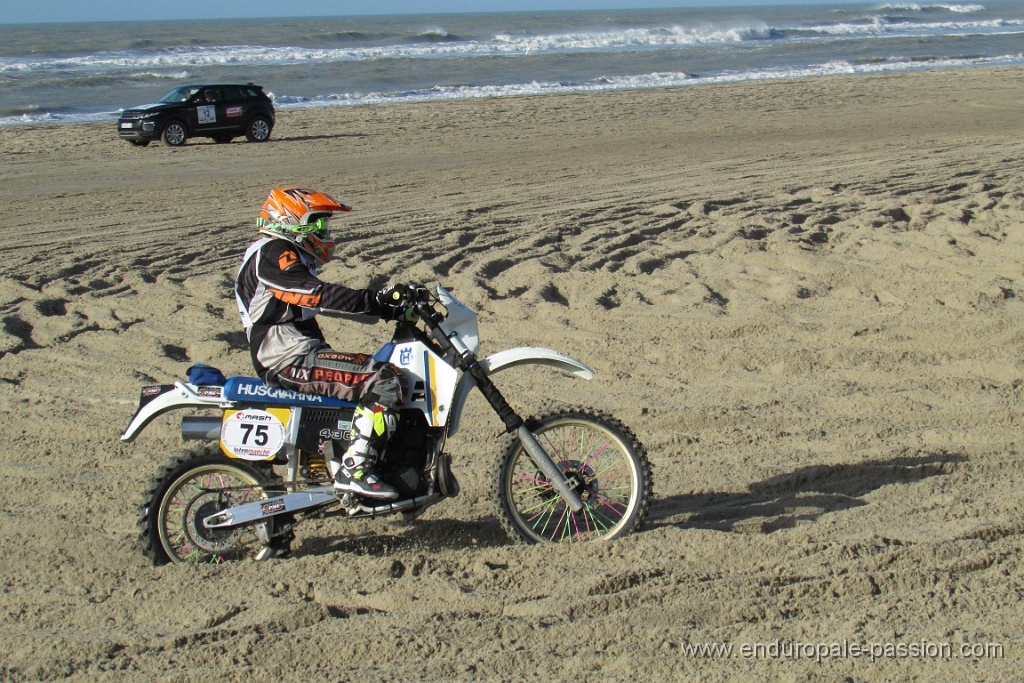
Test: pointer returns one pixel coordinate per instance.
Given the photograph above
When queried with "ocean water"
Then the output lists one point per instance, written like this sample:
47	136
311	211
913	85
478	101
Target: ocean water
88	72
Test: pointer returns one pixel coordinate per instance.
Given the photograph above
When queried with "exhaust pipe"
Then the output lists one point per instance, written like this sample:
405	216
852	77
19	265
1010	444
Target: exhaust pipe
200	428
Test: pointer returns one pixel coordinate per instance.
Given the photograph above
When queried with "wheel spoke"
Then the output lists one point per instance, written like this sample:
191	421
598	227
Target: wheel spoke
607	472
196	496
560	525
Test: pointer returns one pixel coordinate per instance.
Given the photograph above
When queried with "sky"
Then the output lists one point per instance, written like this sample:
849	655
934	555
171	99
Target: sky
43	11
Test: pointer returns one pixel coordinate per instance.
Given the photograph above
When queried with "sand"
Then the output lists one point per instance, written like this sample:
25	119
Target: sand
804	296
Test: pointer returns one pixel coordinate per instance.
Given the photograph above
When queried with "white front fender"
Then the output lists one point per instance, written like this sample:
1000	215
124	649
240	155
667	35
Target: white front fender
510	358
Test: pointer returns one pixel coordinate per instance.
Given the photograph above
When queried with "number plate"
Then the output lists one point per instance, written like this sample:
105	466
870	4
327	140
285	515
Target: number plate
251	434
126	124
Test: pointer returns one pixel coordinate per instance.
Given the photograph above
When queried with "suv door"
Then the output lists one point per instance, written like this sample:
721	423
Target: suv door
209	111
236	107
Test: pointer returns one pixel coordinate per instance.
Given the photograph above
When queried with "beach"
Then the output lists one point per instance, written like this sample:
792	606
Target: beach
804	296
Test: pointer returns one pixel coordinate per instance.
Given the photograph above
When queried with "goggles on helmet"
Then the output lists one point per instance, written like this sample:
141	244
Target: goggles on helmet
319	228
313	237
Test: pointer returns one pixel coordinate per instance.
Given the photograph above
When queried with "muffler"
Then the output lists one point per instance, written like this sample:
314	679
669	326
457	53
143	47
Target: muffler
200	428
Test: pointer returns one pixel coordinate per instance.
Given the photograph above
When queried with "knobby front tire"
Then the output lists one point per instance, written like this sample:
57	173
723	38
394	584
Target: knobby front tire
613	478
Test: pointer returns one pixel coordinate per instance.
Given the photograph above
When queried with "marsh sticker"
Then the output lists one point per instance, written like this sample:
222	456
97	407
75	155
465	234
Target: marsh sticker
251	434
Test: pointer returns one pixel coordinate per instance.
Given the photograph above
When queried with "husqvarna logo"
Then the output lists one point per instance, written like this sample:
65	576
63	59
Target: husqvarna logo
262	390
405	357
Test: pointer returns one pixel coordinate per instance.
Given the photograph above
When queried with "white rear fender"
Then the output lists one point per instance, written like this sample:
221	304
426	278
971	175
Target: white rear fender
510	358
157	400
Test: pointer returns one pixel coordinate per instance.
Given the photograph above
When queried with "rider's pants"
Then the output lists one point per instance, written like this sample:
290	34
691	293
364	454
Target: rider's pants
376	386
353	377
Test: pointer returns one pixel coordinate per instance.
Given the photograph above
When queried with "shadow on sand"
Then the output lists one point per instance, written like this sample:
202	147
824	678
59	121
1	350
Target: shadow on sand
780	502
309	138
427	535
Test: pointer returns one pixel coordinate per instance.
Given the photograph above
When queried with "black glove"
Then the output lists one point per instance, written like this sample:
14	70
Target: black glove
407	315
396	296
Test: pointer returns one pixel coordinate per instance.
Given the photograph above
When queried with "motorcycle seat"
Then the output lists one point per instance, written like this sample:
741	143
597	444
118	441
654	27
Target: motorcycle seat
253	390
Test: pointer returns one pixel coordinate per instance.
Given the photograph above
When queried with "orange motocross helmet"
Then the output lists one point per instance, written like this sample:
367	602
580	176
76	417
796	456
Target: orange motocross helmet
301	216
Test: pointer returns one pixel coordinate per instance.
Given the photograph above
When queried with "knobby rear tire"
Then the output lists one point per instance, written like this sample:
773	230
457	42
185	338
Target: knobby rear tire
194	485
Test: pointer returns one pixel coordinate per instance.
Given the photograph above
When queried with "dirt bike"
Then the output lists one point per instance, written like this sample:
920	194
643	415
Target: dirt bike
568	476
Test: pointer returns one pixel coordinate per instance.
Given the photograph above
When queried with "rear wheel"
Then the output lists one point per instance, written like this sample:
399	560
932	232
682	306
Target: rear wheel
258	129
193	487
603	460
174	134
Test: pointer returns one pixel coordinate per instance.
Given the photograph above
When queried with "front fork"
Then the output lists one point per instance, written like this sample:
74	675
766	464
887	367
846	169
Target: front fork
566	486
514	423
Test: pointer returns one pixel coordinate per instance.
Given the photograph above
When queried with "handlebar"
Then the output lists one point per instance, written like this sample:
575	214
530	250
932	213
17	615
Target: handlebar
423	303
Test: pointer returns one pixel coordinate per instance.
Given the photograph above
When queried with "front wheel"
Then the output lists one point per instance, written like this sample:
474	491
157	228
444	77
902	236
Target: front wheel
174	134
193	487
602	458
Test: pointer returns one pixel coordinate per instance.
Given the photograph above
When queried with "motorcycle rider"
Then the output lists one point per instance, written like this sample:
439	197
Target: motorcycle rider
279	296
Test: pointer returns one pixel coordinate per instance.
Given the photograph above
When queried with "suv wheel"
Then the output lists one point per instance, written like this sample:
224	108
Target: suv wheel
258	130
174	134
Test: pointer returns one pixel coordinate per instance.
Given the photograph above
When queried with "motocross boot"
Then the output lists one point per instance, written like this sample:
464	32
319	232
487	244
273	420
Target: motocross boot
370	431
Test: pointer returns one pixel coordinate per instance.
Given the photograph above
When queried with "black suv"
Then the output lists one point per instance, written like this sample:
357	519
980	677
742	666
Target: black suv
221	112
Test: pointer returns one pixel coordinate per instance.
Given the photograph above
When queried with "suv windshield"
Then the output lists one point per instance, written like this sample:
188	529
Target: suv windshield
179	95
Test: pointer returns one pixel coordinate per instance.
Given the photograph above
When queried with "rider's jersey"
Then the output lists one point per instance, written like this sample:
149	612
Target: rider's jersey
279	295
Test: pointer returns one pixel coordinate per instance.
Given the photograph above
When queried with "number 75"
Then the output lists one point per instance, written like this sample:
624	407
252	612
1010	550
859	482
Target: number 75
261	437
